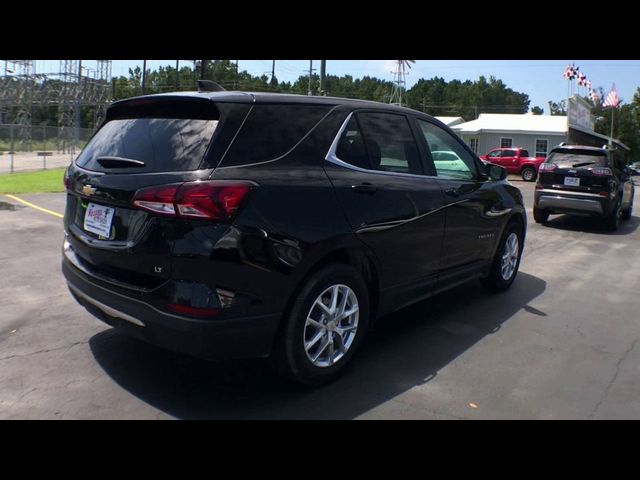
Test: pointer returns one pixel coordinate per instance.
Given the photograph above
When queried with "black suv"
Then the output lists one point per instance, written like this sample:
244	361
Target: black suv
580	180
234	224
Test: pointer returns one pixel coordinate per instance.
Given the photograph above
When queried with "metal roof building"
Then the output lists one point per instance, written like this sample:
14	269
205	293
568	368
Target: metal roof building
535	133
451	121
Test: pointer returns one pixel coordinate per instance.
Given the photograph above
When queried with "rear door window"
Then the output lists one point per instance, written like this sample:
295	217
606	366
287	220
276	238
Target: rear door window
389	142
351	147
163	144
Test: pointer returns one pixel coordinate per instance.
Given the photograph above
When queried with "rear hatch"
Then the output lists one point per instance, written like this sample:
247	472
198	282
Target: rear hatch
146	142
580	171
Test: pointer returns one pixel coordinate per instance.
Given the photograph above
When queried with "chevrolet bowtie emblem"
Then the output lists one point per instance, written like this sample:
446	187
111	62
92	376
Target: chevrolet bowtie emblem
88	190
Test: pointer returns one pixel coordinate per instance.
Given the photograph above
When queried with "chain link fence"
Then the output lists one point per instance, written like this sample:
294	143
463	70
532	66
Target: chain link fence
36	147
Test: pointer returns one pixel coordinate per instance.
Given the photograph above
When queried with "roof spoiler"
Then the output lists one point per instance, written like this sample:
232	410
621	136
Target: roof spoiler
209	86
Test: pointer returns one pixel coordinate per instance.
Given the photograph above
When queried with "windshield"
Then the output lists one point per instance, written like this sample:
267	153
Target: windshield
163	144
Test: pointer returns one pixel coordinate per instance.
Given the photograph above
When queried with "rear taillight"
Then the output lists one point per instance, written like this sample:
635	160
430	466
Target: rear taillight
66	181
217	200
547	167
601	171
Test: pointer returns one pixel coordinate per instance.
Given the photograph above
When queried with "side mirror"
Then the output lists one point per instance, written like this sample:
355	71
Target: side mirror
496	172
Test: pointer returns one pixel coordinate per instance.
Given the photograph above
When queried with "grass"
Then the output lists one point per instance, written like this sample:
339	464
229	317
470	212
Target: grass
32	182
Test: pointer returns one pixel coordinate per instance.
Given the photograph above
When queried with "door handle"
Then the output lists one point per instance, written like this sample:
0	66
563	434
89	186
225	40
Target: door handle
364	188
452	192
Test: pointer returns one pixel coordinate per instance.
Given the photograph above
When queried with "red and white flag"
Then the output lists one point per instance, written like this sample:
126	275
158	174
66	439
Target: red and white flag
582	79
612	98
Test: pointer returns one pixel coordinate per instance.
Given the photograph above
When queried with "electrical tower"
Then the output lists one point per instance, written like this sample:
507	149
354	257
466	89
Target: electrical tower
22	89
101	91
399	82
69	77
24	84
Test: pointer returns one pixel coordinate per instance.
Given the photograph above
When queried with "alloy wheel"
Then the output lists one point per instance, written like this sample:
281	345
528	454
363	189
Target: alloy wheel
510	256
331	326
527	174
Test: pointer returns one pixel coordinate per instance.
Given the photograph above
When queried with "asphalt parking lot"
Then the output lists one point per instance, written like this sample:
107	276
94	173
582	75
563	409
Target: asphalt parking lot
563	343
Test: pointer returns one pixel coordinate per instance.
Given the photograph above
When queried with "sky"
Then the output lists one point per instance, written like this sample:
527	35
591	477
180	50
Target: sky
540	79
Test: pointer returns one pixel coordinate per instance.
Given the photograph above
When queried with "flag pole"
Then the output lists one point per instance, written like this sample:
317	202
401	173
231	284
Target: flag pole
613	111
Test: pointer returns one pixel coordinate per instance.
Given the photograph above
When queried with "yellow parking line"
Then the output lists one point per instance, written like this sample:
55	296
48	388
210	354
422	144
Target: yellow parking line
28	204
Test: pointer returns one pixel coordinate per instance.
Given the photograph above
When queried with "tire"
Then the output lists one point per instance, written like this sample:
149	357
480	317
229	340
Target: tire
540	216
612	222
528	174
499	278
628	212
300	339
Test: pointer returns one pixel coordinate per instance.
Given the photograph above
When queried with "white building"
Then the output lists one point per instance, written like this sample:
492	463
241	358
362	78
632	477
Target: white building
451	121
536	133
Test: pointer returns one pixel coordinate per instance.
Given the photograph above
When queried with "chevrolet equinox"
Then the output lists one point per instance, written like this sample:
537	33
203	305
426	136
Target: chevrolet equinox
233	224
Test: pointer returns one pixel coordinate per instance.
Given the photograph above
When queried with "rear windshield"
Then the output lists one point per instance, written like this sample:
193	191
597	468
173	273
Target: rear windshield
163	144
576	159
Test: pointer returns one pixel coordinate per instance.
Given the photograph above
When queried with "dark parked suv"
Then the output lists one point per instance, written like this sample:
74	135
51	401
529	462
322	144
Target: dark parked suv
231	224
582	180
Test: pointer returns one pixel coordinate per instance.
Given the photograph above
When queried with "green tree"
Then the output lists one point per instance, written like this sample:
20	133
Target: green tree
626	124
559	108
466	99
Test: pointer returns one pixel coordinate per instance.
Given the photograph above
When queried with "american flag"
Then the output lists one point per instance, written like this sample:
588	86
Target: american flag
612	98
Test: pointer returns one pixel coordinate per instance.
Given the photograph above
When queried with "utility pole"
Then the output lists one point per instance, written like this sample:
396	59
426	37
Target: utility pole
177	74
323	71
144	76
273	70
203	68
310	72
235	83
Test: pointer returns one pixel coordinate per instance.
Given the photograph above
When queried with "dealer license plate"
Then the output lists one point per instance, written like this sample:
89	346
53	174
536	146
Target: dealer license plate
98	219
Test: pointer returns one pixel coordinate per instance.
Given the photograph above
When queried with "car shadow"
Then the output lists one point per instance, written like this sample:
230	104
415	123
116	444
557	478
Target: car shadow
576	223
406	349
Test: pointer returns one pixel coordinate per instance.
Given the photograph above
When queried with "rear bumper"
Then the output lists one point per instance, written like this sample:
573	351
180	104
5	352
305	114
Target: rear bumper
246	337
561	201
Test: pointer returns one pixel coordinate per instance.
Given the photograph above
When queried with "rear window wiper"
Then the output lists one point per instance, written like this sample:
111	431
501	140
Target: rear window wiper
582	164
119	162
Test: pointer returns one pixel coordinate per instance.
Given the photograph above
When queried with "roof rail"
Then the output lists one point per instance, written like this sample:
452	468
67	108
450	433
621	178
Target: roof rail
562	144
209	86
